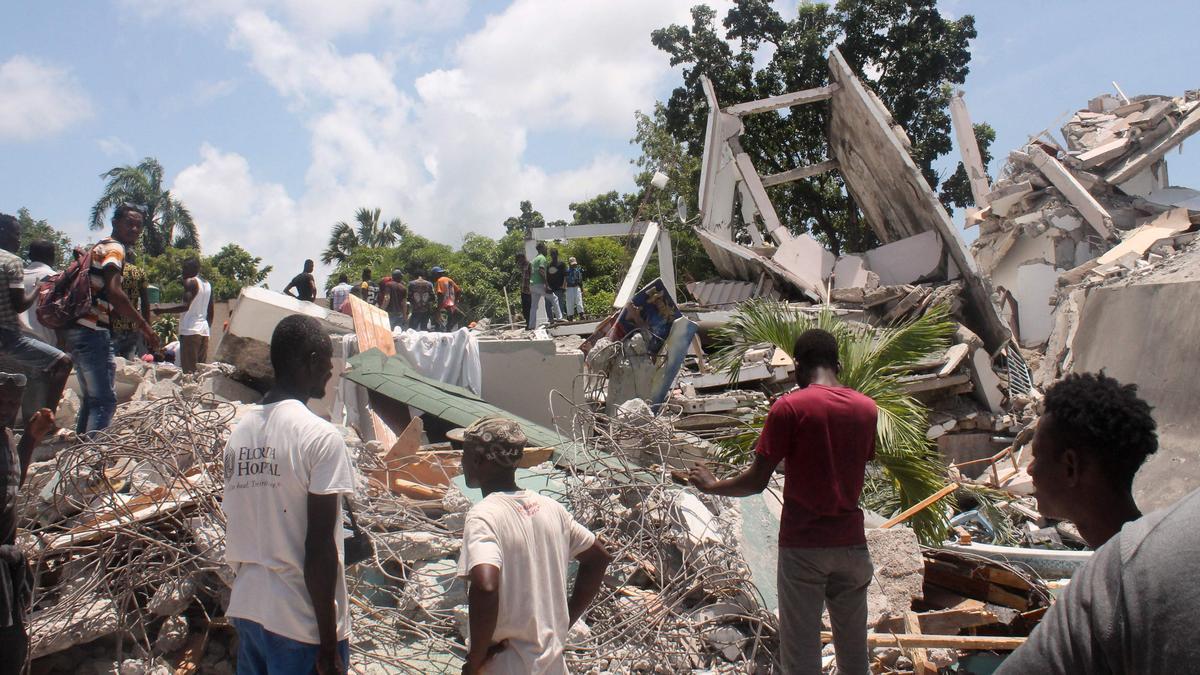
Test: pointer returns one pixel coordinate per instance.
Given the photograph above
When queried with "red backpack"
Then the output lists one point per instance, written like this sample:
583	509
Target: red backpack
66	297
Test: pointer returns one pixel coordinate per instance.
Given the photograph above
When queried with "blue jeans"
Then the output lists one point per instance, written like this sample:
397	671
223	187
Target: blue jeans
97	373
34	359
261	652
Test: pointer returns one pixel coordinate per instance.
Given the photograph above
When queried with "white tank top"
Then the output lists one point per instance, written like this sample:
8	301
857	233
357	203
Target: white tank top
195	320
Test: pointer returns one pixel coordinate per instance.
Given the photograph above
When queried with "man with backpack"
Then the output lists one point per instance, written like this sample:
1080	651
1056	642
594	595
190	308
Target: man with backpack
87	336
46	367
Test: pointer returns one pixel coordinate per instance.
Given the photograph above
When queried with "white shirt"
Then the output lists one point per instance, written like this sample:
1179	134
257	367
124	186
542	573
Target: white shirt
276	456
195	320
532	539
34	273
338	295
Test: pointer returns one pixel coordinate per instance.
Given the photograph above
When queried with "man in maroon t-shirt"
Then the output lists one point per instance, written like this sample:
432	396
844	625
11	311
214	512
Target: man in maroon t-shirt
826	432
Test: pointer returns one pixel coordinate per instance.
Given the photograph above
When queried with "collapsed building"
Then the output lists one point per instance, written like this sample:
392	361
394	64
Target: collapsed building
126	533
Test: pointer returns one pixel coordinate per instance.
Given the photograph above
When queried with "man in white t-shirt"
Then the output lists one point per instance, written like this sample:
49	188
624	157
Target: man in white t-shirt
285	473
517	545
41	259
195	324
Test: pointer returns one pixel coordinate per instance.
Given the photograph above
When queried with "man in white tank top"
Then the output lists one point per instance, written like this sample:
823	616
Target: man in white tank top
194	325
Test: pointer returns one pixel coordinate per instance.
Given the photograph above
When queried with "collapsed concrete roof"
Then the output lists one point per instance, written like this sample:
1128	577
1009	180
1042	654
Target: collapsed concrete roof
865	146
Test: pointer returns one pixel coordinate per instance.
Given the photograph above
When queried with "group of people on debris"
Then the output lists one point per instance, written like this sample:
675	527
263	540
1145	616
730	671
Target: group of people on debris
420	304
546	281
51	323
288	472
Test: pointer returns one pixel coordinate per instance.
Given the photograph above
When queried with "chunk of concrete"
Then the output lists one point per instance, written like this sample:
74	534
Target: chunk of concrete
906	261
1104	153
850	271
435	586
986	383
806	258
54	630
1080	198
1002	199
899	573
415	546
1037	284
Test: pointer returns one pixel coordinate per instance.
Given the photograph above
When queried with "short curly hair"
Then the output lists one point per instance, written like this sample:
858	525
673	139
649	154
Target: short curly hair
1097	414
816	347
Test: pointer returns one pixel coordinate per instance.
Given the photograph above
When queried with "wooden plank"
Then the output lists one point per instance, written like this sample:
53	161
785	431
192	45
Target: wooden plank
919	506
799	173
783	101
948	576
374	331
921	663
910	640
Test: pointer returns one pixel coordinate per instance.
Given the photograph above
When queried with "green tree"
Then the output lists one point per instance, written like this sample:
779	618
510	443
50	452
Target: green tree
904	50
229	271
907	467
34	230
528	219
956	190
370	232
169	224
609	207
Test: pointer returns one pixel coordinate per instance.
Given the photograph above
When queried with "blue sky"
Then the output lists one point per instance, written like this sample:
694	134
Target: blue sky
276	118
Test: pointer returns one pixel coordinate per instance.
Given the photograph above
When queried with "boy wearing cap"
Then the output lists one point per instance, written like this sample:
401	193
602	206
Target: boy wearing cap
517	545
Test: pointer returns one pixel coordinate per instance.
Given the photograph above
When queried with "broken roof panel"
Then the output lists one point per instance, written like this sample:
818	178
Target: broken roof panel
395	379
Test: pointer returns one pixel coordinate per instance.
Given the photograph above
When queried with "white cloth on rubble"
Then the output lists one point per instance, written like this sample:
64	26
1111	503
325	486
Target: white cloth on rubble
532	539
447	357
276	455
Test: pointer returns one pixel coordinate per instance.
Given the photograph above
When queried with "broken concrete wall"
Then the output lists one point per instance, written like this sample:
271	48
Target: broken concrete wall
1147	334
518	376
892	193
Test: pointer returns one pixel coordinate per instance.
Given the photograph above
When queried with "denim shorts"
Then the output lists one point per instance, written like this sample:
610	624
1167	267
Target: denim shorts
30	353
261	652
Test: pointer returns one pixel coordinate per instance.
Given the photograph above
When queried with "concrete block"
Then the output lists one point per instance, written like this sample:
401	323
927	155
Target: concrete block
906	261
850	271
1002	199
986	383
899	573
806	258
1104	153
518	376
1037	284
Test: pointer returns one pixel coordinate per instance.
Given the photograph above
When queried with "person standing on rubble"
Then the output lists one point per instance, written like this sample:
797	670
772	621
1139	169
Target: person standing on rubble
556	283
393	297
420	301
450	317
16	579
826	434
42	256
126	338
574	289
304	283
90	339
517	546
196	323
523	268
367	290
286	472
45	363
537	287
339	294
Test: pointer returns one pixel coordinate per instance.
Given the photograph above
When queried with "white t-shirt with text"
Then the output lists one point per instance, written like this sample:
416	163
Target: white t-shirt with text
276	455
532	539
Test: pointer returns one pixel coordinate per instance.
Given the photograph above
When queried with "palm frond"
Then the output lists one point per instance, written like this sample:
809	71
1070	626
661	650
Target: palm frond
907	466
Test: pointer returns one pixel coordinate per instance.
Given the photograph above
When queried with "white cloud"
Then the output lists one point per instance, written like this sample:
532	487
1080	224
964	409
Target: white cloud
209	91
40	100
116	147
318	18
451	158
230	206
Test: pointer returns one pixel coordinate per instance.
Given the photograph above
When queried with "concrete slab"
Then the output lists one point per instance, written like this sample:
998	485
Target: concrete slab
906	261
806	258
850	271
519	375
1037	283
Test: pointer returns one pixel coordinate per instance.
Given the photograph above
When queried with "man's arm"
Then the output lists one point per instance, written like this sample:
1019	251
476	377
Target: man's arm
122	305
19	301
751	481
483	611
210	308
288	289
321	575
593	563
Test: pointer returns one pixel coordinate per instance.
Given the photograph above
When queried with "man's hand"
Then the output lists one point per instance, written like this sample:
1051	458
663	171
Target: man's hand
701	477
476	662
39	425
152	343
329	662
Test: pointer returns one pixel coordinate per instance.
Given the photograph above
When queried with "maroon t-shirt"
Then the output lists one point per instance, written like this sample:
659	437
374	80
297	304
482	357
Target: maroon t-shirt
827	436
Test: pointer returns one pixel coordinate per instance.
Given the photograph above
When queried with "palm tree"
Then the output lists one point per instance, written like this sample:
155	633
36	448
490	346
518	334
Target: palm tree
371	233
168	222
906	468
